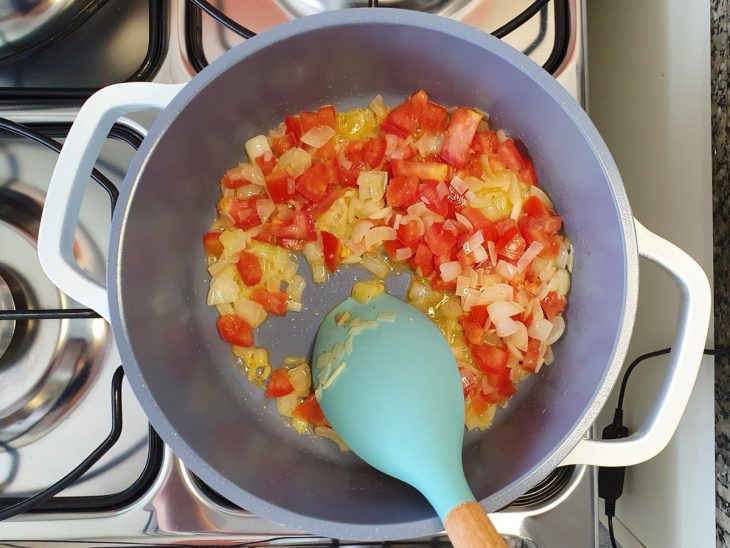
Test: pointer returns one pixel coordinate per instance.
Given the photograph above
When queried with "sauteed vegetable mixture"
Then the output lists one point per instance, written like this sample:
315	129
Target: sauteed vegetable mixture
438	191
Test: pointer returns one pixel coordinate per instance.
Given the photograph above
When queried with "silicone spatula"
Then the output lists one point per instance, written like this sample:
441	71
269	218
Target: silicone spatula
389	385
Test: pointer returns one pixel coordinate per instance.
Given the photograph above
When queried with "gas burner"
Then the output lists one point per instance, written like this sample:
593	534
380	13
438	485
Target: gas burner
309	7
46	365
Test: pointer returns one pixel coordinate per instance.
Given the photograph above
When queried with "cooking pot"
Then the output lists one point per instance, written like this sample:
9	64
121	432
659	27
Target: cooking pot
156	283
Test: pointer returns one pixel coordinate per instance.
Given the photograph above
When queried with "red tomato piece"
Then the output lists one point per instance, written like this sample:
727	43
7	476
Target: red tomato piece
391	246
534	207
510	156
542	230
511	245
479	314
485	142
294	126
292	245
433	118
309	120
249	268
267	162
233	329
437	284
331	248
423	170
329	198
310	411
504	226
402	191
531	356
242	213
212	244
266	235
404	119
439	240
459	135
327	116
429	195
423	259
299	227
278	186
409	233
553	304
325	153
281	144
480	222
489	358
230	182
473	332
502	382
312	184
272	301
373	152
528	173
279	384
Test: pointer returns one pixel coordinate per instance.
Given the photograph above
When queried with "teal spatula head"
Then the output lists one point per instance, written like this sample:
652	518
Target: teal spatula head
389	385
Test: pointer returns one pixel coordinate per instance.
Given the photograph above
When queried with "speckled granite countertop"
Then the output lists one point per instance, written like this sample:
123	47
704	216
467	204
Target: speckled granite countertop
721	207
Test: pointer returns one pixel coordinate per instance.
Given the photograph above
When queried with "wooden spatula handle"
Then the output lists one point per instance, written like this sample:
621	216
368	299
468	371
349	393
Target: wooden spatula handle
469	526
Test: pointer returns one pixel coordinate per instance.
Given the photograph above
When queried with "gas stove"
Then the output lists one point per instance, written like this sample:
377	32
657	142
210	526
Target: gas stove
57	368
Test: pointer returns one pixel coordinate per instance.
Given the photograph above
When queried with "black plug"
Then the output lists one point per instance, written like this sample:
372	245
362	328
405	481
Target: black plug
611	479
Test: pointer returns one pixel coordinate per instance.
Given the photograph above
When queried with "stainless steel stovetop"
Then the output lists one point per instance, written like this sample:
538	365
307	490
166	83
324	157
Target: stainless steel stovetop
55	374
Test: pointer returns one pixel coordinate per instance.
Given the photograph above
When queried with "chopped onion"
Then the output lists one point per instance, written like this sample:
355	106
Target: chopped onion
318	136
278	131
265	208
540	329
429	144
451	226
464	221
251	311
450	270
234	240
391	141
372	184
343	160
538	193
357	249
313	253
451	309
500	310
398	154
519	338
289	271
494	293
290	186
501	136
285	405
397	221
442	190
549	358
378	107
417	292
300	378
247	191
506	270
377	266
560	282
296	288
417	209
249	172
476	240
375	236
561	261
319	273
479	254
403	253
571	254
295	161
293	306
530	253
381	213
462	284
506	327
458	184
256	146
557	331
360	230
223	288
491	248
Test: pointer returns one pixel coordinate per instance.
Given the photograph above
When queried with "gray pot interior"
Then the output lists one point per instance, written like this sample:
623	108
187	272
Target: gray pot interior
201	405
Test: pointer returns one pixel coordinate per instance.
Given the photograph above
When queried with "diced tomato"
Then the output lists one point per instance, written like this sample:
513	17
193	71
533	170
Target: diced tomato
503	383
489	358
495	397
291	244
528	173
281	144
404	119
249	268
459	135
325	153
531	356
504	226
243	213
510	156
409	233
428	194
434	171
423	259
534	207
468	378
309	120
278	186
279	384
233	329
479	314
473	332
373	152
299	227
229	181
511	245
553	304
542	230
433	118
437	284
477	402
294	126
480	222
329	198
485	142
267	162
464	260
272	301
331	248
439	240
391	246
212	244
327	116
310	412
401	191
312	184
266	235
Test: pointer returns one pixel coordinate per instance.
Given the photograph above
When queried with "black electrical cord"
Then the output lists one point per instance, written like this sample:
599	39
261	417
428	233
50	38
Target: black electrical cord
521	19
223	19
611	479
49	314
87	463
25	131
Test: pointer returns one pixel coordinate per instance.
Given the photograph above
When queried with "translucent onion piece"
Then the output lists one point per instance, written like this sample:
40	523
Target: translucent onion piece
247	191
319	274
375	236
492	253
539	194
285	405
506	327
458	184
251	311
249	172
223	288
360	230
557	331
378	107
442	190
301	379
296	288
464	221
519	338
403	253
295	161
377	266
501	136
500	310
318	136
530	253
265	208
450	270
381	213
476	240
479	254
256	146
540	329
506	270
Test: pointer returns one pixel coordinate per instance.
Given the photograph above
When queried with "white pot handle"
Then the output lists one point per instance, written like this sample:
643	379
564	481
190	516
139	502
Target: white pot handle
70	177
684	362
